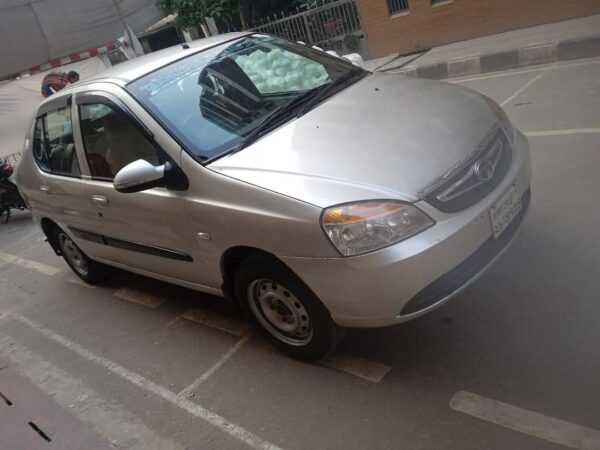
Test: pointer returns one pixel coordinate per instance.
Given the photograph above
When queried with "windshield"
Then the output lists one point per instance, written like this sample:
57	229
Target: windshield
214	98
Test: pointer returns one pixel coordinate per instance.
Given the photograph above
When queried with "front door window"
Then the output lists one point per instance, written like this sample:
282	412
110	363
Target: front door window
112	141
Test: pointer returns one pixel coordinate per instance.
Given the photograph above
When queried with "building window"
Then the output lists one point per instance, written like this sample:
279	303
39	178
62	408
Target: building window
397	6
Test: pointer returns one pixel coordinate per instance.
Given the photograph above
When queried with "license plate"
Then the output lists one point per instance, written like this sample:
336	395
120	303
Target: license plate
505	210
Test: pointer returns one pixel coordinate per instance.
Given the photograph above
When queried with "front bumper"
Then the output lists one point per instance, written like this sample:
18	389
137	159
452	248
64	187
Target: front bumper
410	278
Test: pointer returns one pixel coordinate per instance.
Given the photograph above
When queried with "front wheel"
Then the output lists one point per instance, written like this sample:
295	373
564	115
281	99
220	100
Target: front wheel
286	311
88	270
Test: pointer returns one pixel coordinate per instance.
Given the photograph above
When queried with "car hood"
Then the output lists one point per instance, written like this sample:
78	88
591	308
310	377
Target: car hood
385	137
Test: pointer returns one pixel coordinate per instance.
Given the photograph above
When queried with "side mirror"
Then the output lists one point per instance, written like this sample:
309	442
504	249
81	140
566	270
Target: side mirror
139	176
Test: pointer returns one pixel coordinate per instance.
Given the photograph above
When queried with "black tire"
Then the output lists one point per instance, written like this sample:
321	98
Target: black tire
262	280
88	270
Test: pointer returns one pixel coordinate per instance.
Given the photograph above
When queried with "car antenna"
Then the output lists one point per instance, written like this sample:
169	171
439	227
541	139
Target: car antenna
185	46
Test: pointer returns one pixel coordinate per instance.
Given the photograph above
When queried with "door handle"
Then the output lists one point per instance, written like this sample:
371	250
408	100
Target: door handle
100	200
45	189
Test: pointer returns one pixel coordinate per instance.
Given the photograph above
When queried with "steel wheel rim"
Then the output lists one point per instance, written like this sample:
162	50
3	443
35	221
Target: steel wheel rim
73	254
280	312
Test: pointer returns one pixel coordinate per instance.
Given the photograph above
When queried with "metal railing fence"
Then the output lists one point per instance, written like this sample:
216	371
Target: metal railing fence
322	26
12	158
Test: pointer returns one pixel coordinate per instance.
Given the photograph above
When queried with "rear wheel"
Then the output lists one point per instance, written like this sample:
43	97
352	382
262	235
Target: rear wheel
286	311
89	271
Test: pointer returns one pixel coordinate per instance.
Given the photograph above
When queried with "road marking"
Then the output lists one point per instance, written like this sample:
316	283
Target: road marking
529	83
359	367
111	420
498	75
30	248
562	132
554	66
80	282
29	264
226	324
189	390
172	322
23	237
139	297
134	378
525	421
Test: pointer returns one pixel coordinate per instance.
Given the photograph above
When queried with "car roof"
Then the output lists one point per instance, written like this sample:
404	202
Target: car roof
140	66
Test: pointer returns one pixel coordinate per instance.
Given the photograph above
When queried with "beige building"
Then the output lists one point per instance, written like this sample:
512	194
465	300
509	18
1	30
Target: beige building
408	25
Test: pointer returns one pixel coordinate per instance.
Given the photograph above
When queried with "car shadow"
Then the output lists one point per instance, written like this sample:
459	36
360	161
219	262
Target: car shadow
179	299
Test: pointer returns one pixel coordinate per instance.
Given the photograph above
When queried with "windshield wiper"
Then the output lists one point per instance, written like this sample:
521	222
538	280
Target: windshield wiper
325	90
273	117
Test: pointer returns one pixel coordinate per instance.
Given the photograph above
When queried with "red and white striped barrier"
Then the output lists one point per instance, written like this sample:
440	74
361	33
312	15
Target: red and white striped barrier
53	63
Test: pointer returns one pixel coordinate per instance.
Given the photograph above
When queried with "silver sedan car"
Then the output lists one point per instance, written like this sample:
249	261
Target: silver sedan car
315	194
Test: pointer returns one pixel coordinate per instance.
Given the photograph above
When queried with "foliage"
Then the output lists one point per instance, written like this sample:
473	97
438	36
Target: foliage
191	13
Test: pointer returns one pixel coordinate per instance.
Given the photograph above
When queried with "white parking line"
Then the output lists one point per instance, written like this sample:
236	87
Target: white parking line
139	297
567	132
529	83
110	419
23	237
226	324
29	264
80	282
359	367
525	421
189	390
134	378
172	321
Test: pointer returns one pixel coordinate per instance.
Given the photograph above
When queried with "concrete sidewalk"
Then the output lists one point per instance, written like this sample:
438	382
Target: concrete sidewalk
570	39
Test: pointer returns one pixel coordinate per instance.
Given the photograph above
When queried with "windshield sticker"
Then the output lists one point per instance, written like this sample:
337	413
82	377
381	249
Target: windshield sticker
171	76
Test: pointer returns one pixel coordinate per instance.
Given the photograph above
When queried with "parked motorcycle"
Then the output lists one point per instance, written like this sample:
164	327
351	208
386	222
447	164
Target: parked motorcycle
10	197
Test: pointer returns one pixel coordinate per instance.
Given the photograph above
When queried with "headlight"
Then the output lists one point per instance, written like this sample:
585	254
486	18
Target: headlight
505	122
367	226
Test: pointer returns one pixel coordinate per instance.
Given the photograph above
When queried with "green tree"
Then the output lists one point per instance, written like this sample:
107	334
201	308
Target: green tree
191	13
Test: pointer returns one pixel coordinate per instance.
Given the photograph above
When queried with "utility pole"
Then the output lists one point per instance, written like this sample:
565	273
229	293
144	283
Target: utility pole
131	52
119	11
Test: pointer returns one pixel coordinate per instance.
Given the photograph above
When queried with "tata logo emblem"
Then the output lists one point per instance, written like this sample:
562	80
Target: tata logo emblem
484	170
481	172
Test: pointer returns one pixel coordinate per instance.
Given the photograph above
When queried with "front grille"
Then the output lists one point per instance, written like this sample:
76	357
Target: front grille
468	183
453	281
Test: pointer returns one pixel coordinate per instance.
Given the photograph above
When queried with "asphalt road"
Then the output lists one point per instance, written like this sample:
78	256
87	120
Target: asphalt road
513	362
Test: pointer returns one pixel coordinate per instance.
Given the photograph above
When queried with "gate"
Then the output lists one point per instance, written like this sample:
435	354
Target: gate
333	26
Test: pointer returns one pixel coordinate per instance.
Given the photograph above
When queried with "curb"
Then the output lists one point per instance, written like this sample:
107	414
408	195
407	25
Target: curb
509	59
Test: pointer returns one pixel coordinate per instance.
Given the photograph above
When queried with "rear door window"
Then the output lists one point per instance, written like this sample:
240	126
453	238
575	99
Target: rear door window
53	145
